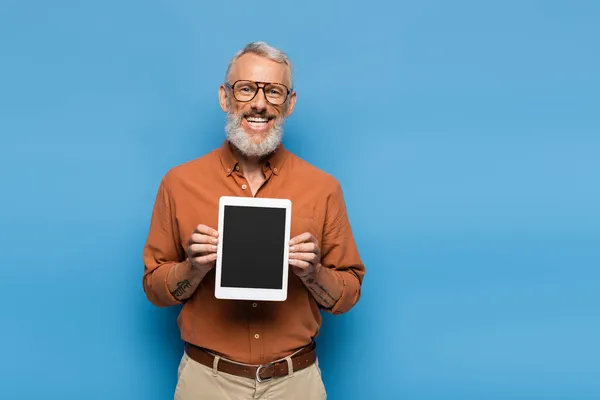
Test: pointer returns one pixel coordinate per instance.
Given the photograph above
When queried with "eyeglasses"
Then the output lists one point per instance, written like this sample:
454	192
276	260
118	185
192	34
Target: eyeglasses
244	91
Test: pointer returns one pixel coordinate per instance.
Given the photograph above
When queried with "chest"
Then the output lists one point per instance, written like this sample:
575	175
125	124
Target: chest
199	202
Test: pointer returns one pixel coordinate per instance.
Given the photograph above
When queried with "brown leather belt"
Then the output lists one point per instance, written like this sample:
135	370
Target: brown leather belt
261	373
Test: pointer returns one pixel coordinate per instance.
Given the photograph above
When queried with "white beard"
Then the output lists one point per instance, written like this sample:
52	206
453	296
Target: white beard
241	140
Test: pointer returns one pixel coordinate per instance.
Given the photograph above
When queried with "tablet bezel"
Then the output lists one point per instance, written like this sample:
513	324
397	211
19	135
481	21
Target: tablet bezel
231	293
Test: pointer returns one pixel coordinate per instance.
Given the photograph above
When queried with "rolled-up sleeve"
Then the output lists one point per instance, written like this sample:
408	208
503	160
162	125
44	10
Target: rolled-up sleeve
340	253
162	250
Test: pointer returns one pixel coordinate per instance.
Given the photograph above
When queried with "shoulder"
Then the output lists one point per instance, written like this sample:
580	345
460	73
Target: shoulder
195	168
312	175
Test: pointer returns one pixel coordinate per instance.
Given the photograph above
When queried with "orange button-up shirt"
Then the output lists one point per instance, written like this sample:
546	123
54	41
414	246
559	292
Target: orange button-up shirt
245	331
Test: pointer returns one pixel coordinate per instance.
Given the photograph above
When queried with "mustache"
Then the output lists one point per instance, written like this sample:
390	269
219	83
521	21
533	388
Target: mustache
262	114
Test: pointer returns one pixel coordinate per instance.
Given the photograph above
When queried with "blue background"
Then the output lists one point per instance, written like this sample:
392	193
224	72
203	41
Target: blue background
466	137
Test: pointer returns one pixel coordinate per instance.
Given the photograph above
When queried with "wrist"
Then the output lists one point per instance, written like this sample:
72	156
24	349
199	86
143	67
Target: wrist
194	268
312	276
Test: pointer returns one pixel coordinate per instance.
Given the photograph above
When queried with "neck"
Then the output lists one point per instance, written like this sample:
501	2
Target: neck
250	165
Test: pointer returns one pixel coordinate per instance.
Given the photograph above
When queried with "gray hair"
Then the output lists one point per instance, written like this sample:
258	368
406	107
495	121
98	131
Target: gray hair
265	50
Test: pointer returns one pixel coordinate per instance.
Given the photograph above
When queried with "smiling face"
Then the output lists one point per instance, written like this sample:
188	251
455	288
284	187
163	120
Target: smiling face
255	127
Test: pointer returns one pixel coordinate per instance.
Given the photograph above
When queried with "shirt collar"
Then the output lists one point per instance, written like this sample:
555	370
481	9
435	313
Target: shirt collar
274	161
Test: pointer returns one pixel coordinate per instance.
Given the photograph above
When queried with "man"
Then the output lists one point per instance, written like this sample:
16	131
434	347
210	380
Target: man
244	349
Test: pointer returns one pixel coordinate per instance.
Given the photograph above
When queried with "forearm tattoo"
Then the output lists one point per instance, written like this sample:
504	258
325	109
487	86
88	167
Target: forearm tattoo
326	299
182	287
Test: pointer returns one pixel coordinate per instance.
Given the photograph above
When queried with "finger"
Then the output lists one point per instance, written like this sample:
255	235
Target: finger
207	259
309	257
305	248
302	238
201	249
299	264
201	238
205	230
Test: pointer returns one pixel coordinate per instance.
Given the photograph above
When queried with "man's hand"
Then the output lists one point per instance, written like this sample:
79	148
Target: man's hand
304	255
184	278
202	248
305	259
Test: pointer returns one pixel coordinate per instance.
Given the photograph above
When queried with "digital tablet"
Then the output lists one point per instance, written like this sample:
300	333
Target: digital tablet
253	249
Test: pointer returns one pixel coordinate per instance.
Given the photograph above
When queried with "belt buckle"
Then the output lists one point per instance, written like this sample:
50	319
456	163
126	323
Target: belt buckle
258	378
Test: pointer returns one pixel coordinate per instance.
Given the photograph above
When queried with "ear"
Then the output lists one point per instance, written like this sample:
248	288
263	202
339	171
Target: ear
291	104
223	98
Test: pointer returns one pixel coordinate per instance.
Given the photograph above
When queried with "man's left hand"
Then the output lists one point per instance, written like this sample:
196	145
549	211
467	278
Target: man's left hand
304	255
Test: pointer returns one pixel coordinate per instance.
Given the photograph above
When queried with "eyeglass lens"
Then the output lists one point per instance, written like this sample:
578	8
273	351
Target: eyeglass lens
246	90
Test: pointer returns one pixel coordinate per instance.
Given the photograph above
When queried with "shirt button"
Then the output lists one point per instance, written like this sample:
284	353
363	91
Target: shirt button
254	305
244	187
256	336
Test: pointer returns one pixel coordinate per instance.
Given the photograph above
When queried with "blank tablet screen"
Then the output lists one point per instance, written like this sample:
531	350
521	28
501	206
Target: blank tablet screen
253	247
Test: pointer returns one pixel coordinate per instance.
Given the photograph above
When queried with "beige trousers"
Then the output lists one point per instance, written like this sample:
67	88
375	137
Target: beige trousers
199	382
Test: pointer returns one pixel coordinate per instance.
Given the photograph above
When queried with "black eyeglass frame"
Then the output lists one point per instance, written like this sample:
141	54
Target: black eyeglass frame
264	84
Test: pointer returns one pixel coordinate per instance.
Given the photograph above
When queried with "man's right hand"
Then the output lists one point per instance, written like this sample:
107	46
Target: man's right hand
202	248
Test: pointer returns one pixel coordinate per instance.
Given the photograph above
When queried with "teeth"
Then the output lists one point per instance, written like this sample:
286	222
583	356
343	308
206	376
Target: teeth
257	120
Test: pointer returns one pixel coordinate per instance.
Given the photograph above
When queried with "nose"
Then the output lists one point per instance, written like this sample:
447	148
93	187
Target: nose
259	103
